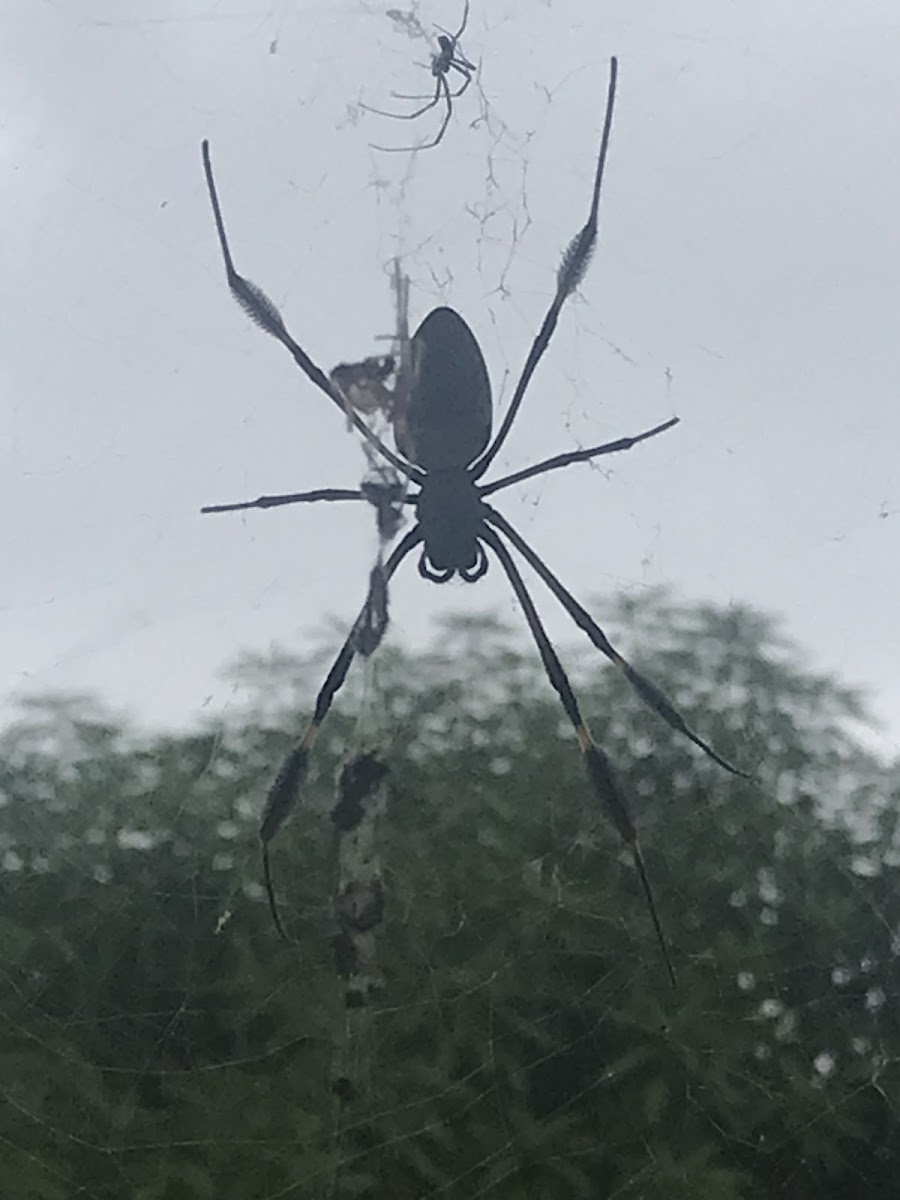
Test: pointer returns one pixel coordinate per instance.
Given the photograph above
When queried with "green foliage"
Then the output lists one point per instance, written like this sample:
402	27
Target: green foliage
158	1041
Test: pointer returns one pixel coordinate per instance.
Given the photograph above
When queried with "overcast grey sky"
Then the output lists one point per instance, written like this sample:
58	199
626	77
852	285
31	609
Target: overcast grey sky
746	280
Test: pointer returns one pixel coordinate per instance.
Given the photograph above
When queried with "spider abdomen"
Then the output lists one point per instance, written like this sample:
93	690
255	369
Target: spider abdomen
447	420
451	515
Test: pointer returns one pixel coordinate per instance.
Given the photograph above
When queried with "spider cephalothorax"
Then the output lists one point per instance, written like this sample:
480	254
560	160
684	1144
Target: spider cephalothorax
441	416
451	515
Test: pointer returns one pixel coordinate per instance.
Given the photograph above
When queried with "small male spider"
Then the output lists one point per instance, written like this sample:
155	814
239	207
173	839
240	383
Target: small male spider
442	429
449	58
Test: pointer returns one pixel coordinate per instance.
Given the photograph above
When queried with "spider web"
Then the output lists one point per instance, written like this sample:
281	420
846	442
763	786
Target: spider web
156	1035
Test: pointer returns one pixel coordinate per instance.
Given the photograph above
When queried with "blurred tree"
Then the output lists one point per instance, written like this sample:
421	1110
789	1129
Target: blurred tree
157	1039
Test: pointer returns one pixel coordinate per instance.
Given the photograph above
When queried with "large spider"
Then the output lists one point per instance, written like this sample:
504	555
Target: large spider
448	58
442	429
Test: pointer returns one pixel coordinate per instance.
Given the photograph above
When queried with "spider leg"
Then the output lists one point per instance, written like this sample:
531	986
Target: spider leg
407	116
575	456
442	86
283	793
456	66
465	69
260	309
571	272
454	37
447	115
598	765
652	696
289	498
